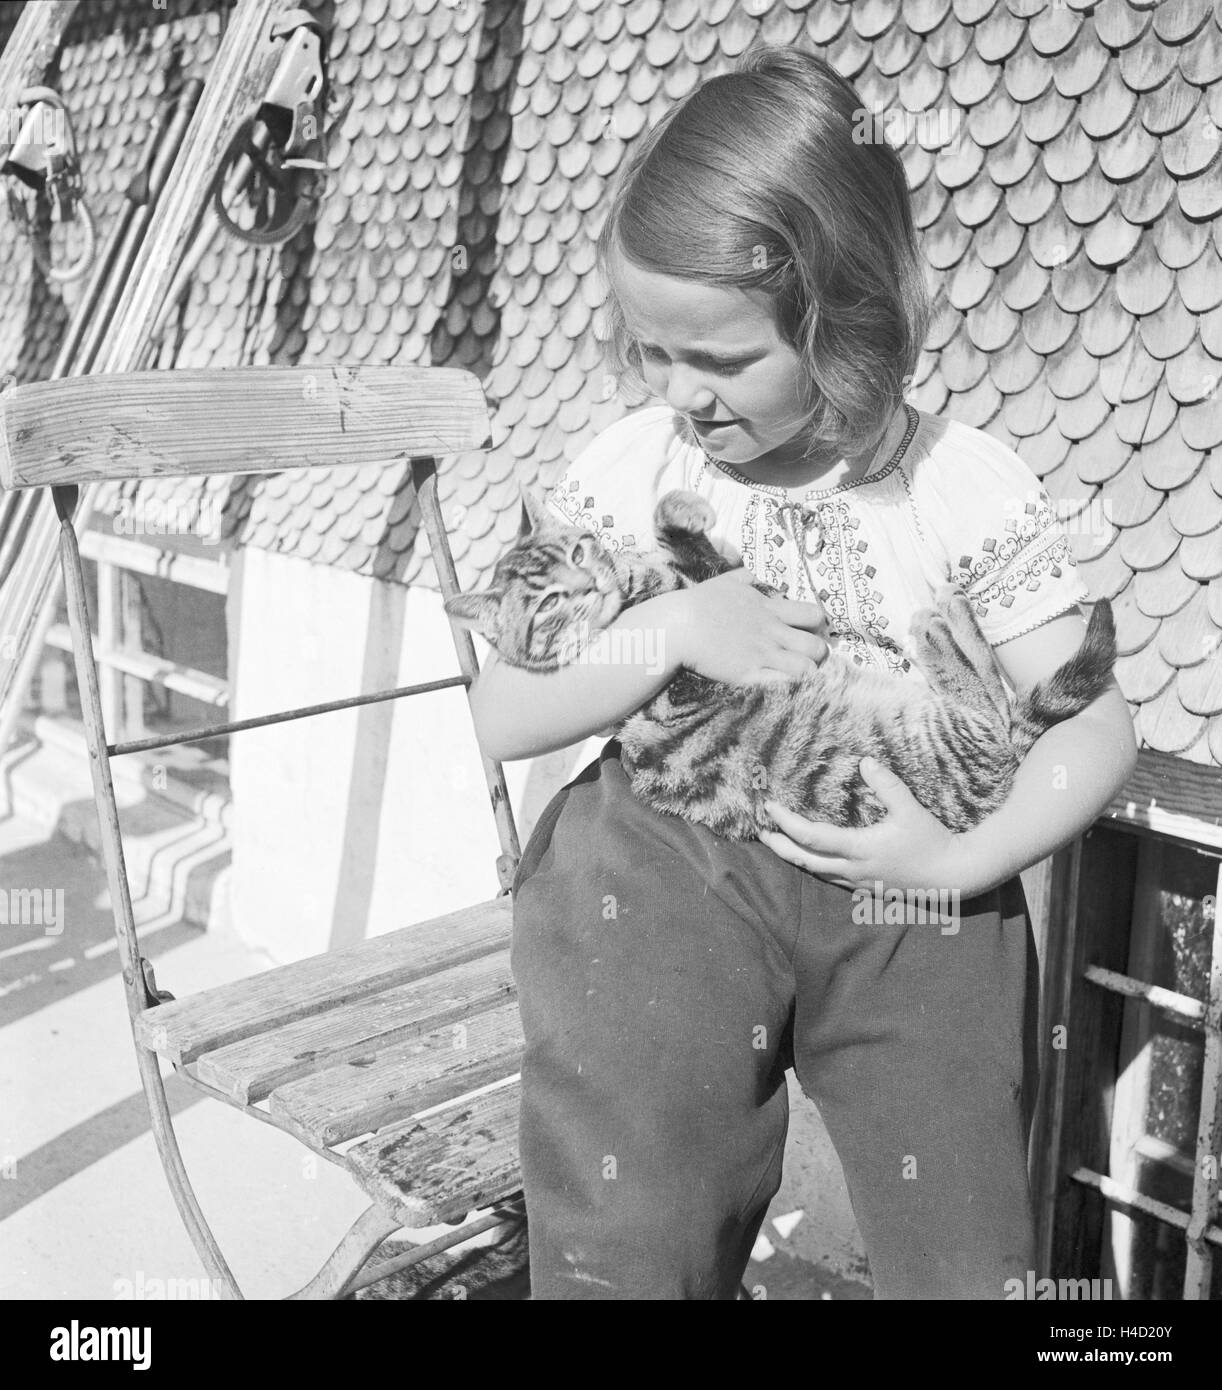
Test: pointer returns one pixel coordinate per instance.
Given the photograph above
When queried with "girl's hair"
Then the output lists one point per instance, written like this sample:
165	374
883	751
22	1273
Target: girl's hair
771	177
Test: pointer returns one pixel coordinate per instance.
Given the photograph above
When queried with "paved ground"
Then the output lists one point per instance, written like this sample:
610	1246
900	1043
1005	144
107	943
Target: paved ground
84	1209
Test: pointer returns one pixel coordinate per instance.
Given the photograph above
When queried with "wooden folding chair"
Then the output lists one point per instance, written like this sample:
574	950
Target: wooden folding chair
346	1050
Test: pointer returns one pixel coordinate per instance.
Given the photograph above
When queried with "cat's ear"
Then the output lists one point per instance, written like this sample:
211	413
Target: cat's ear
535	515
476	610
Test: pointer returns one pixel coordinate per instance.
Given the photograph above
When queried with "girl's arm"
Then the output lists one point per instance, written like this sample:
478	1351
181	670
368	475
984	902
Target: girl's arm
723	628
1067	779
523	714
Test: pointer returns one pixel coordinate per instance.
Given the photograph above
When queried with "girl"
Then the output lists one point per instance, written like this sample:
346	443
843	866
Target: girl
765	284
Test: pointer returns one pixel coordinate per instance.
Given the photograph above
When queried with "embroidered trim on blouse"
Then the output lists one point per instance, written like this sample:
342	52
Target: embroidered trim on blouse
1030	551
579	510
772	490
845	581
848	594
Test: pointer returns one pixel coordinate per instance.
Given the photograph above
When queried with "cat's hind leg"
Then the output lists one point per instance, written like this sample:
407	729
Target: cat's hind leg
955	656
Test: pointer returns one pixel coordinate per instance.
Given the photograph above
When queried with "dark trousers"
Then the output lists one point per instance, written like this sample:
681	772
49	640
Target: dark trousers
668	977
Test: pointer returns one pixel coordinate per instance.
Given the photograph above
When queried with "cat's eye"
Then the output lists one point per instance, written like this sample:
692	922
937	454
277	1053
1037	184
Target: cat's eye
549	603
578	557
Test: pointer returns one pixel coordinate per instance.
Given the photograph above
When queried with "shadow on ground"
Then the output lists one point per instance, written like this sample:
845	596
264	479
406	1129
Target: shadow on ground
501	1273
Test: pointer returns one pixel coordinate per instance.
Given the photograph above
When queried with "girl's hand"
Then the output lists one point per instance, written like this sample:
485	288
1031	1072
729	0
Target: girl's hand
728	631
908	849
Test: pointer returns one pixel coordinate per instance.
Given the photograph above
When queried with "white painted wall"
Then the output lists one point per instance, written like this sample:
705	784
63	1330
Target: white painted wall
357	822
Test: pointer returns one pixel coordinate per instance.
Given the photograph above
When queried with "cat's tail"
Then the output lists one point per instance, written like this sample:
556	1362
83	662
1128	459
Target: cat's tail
1070	688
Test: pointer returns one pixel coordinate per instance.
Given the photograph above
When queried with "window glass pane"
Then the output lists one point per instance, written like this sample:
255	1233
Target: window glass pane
1157	1092
1182	936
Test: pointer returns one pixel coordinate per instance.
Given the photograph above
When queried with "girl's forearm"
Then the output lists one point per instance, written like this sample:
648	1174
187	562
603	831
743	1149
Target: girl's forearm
524	714
1067	779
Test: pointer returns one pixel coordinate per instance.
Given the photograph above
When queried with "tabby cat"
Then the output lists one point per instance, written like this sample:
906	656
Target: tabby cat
712	753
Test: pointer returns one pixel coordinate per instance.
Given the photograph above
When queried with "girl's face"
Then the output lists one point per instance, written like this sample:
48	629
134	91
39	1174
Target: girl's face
714	354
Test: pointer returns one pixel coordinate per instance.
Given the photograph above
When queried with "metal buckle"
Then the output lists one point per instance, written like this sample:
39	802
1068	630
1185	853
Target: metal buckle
44	159
283	142
293	105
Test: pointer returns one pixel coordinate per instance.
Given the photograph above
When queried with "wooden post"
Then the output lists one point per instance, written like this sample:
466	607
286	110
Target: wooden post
1084	1065
90	324
1199	1265
245	63
77	353
1131	1096
131	633
110	681
1059	903
30	51
243	67
119	631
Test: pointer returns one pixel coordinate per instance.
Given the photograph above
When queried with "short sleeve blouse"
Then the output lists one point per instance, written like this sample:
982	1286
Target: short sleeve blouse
941	502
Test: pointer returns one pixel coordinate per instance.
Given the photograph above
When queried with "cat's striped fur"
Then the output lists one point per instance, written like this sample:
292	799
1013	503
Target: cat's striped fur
713	753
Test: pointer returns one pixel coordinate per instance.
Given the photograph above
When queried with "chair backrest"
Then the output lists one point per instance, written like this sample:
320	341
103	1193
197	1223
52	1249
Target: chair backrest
243	420
251	419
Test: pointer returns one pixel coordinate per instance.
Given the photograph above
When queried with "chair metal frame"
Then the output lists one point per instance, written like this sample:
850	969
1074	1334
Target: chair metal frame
341	1272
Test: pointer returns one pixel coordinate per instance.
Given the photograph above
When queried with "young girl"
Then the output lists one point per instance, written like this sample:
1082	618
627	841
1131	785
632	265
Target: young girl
765	284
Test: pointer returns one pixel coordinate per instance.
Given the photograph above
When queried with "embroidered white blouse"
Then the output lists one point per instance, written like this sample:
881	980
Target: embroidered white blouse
941	502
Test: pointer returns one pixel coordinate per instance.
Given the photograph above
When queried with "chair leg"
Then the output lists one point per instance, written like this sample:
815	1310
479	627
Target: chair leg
424	477
508	1220
185	1200
348	1258
135	987
343	1272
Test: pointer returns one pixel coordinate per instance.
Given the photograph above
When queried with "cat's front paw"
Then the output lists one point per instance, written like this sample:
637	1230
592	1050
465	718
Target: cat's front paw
684	511
951	606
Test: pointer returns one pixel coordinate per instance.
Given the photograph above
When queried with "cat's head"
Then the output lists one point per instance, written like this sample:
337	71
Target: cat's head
549	594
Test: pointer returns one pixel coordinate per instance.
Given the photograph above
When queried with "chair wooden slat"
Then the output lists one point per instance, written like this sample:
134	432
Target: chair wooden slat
465	1052
438	1168
251	1069
243	420
183	1029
